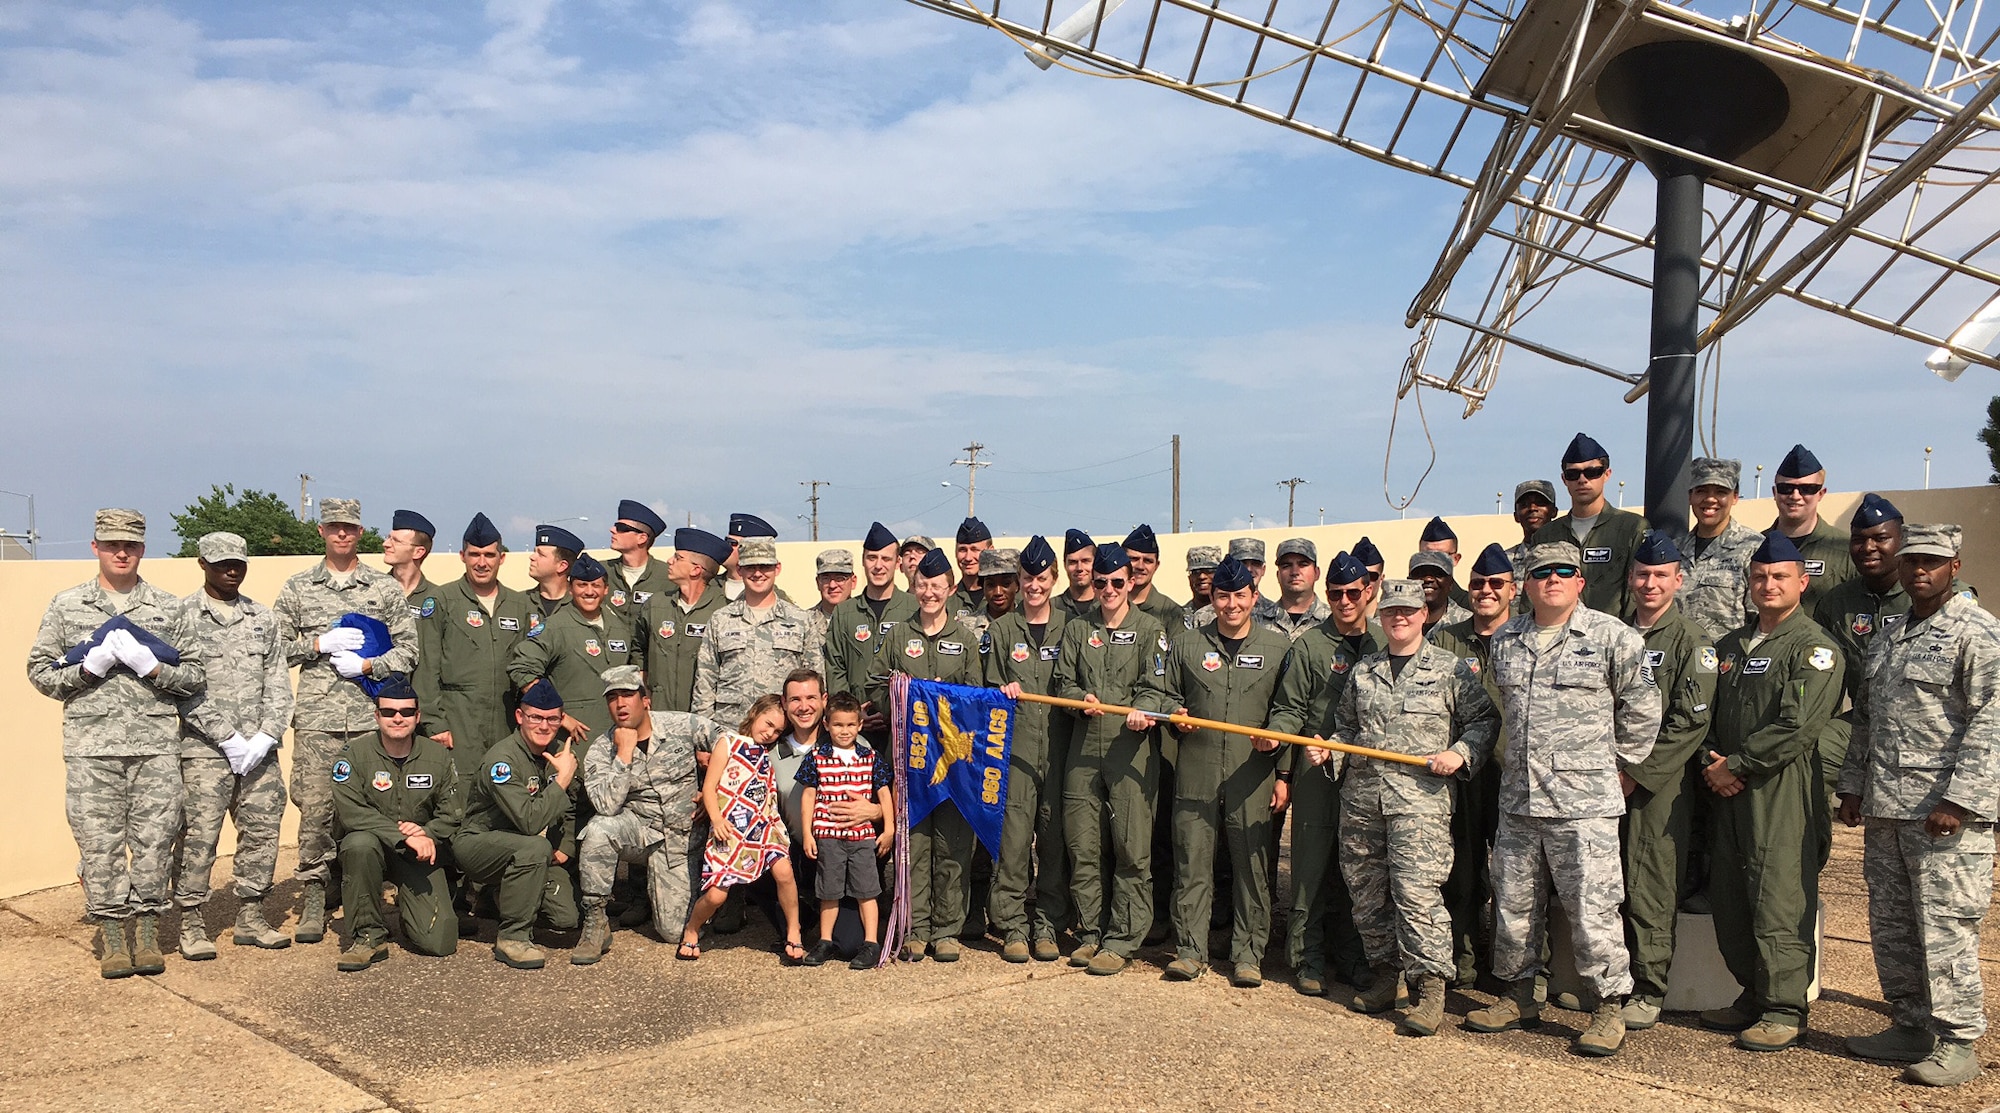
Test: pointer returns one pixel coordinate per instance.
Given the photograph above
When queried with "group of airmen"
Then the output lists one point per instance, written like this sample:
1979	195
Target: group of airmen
1632	723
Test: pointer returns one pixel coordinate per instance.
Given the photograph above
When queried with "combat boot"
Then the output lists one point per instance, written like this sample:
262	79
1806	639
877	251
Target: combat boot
117	960
1083	954
1641	1012
1045	950
519	954
1899	1043
1016	951
1426	1016
596	937
1514	1010
1105	963
312	914
253	930
637	914
1769	1035
1385	986
194	942
1952	1063
360	956
1606	1033
146	955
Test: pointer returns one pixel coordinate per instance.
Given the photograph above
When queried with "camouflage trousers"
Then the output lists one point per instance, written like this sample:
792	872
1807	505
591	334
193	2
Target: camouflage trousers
313	755
125	813
256	801
610	839
1926	897
1580	858
1396	866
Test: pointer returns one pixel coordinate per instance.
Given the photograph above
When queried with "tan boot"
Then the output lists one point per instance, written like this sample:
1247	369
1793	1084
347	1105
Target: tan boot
253	930
360	956
596	937
1385	985
147	958
1016	951
195	945
1045	950
1606	1033
1517	1009
519	954
117	960
312	914
1105	963
1426	1016
1083	954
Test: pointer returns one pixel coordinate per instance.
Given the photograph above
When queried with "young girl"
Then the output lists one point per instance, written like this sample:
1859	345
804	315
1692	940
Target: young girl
746	833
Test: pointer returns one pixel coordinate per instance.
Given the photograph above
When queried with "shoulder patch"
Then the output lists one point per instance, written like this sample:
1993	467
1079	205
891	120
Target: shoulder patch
535	626
1821	658
1705	660
429	608
342	771
501	773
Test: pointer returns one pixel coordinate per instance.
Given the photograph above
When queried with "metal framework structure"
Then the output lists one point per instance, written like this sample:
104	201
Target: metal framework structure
1875	203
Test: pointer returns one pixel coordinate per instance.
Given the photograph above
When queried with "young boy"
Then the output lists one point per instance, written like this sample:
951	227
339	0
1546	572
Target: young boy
841	768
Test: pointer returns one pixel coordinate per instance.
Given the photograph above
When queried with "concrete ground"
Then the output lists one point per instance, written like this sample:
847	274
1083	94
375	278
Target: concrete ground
282	1030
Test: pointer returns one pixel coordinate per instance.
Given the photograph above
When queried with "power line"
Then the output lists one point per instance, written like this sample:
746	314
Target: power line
1099	464
972	463
813	498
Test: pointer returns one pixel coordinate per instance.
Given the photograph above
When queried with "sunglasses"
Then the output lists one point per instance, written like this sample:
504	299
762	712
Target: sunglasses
621	527
1479	583
396	712
1797	488
1559	571
1347	594
545	720
1102	582
1594	471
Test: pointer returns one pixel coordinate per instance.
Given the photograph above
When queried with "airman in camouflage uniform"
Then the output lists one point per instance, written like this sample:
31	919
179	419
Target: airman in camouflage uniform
1715	554
1395	819
331	709
121	737
673	622
234	723
1923	772
1534	507
754	642
1580	707
1000	586
1433	570
1248	551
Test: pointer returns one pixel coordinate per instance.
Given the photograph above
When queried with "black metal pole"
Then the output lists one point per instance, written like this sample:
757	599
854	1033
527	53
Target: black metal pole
1670	401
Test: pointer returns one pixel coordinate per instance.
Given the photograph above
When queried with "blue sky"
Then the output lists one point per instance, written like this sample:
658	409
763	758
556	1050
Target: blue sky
532	257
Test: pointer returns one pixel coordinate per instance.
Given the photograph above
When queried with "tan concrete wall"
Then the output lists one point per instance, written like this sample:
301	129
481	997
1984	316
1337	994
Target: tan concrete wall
39	850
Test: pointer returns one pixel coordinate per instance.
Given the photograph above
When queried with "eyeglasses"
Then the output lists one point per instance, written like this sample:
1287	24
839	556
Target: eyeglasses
1102	582
1594	471
621	527
1559	571
1347	594
544	720
1797	488
1480	583
396	712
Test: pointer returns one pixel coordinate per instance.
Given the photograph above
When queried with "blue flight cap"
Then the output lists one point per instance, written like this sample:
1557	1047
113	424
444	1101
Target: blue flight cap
878	538
559	537
1873	511
410	519
1231	575
1776	549
1583	447
1437	530
586	568
1658	548
632	510
1366	552
395	686
750	525
542	696
972	531
1798	462
703	543
1493	561
1110	558
1141	540
479	533
935	563
1037	556
1075	541
1345	569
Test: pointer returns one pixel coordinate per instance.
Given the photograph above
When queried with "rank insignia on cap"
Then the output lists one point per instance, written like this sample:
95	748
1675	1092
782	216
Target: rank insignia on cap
430	607
914	648
1211	661
1095	641
862	632
1863	625
1707	659
475	619
667	628
1020	652
501	772
341	771
383	782
1821	659
591	647
617	598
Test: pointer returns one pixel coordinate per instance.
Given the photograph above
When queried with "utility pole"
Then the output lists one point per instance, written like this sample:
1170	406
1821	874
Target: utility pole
813	498
972	463
1758	491
305	501
1177	483
1927	468
1291	496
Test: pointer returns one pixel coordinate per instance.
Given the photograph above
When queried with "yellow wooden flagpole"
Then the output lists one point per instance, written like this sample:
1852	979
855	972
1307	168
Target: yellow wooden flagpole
1232	728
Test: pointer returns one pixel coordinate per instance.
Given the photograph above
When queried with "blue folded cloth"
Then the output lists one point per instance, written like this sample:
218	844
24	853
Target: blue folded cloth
167	654
374	643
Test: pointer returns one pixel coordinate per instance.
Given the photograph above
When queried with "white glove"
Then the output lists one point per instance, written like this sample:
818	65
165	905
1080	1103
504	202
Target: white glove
261	745
120	642
347	664
339	639
100	660
135	656
237	749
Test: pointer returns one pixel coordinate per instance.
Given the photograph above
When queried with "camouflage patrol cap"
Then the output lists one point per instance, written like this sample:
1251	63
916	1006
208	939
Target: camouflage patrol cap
999	562
1551	553
624	678
1433	560
831	561
1203	558
1402	593
1247	548
218	547
756	552
340	512
1707	471
115	524
1534	488
917	541
1298	546
1931	540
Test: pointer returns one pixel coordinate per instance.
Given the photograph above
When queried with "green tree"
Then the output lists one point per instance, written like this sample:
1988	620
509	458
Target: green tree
264	521
1990	437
